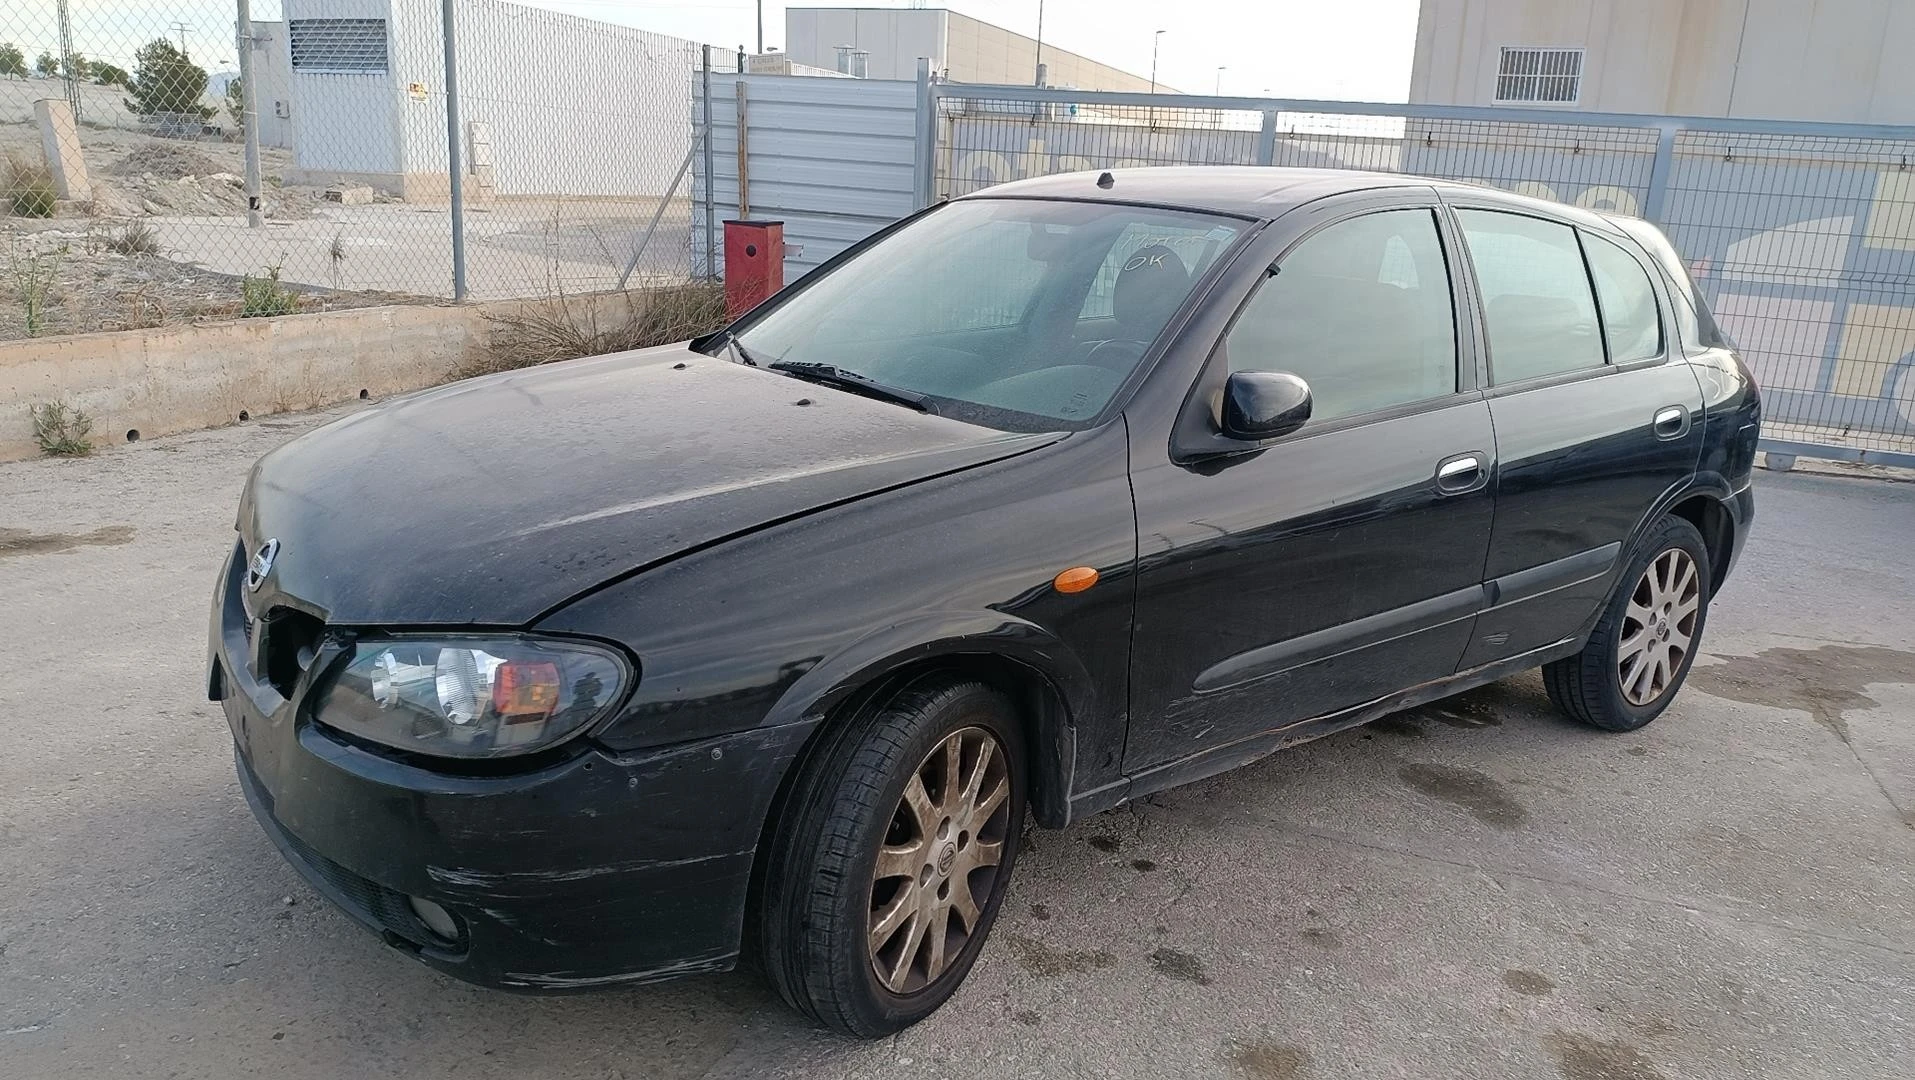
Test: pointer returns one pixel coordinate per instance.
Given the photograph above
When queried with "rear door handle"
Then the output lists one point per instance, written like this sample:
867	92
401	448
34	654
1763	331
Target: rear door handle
1462	473
1672	422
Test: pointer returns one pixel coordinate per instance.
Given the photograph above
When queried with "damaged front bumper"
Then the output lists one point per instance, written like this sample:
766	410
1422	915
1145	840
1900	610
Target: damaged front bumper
592	870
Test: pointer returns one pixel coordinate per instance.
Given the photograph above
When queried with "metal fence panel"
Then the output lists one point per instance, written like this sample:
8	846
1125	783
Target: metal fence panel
834	159
1800	235
134	211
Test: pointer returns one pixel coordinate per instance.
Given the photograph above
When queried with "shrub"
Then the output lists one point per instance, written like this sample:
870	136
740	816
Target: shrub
32	275
658	317
28	188
263	296
134	238
60	430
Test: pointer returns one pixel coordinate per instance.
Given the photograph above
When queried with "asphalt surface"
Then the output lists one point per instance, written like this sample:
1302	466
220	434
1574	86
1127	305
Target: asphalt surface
1475	889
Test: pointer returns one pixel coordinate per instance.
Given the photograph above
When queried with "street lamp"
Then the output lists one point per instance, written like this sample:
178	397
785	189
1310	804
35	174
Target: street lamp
1219	90
1151	117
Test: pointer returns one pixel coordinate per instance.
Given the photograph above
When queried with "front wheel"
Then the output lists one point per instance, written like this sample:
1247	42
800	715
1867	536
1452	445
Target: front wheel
890	870
1641	649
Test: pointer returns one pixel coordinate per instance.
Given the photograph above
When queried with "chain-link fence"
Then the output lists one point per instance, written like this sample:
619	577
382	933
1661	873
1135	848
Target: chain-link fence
1801	236
129	195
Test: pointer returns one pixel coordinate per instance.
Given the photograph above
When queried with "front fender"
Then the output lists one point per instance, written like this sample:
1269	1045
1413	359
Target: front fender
970	637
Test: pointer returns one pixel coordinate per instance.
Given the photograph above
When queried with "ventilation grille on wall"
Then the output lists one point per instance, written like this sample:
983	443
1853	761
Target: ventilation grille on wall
1548	75
357	46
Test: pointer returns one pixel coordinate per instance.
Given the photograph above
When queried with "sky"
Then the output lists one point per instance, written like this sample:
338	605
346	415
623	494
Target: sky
1352	50
1348	50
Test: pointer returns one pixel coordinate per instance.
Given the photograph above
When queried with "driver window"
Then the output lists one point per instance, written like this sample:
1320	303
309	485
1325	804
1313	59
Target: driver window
1361	311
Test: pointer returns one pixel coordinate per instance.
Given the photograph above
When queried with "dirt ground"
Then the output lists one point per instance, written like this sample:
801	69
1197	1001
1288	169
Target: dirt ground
92	283
1475	889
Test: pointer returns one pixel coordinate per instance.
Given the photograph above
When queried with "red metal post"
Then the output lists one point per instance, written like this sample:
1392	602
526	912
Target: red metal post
754	263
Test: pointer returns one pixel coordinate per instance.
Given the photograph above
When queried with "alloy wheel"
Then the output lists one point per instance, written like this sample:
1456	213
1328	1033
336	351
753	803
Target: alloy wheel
1658	627
939	861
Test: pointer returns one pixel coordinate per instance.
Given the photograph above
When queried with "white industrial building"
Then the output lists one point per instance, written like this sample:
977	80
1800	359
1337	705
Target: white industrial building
1832	60
549	103
886	43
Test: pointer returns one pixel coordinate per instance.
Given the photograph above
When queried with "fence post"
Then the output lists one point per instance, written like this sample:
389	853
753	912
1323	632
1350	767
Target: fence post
453	169
744	157
927	134
711	192
249	115
1658	194
1267	139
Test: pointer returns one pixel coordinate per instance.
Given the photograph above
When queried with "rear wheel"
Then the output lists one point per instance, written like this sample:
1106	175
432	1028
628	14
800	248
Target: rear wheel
888	875
1641	649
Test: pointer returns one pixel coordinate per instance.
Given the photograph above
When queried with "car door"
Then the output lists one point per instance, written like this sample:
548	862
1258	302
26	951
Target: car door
1283	581
1596	409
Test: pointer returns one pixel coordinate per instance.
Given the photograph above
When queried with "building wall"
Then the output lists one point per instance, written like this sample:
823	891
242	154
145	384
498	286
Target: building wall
1834	60
968	50
562	104
895	39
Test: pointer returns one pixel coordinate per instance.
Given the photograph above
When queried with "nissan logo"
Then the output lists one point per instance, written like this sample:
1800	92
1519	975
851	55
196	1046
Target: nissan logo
262	564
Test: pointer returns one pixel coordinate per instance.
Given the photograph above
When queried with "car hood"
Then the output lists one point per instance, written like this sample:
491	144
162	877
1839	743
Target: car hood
495	500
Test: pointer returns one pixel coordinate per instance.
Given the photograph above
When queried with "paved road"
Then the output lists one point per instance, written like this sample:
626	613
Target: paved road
1475	889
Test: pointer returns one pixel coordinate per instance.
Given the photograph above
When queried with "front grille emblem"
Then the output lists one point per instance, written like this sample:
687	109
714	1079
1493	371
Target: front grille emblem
261	565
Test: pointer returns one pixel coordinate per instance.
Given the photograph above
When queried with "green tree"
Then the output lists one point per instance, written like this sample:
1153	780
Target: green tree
12	60
75	66
109	75
48	64
166	81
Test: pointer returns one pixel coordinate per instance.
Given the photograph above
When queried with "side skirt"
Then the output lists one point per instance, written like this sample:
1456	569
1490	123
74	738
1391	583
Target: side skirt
1219	759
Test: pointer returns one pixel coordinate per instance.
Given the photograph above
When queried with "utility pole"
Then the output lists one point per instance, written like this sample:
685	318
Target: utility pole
249	114
455	177
761	27
181	28
1040	42
66	60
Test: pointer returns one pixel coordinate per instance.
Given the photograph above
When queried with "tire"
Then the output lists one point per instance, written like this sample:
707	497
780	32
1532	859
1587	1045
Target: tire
1601	685
823	896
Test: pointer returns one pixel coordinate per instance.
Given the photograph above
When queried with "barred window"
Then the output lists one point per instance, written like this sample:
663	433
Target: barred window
355	46
1547	75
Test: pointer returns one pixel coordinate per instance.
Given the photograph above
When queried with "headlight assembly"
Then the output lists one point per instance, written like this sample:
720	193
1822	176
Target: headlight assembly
471	697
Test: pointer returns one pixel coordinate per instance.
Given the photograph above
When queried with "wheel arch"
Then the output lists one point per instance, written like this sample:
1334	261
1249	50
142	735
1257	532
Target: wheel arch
1044	679
1712	519
1702	502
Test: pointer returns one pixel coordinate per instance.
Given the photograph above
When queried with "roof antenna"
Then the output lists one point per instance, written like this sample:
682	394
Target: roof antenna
1105	180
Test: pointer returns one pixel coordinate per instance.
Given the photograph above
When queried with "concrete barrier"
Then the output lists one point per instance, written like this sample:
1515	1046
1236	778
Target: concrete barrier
189	377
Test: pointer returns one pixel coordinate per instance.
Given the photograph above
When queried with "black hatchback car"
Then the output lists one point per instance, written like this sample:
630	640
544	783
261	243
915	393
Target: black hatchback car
1045	498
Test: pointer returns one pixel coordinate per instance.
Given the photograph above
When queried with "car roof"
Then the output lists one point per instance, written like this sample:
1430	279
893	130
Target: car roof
1255	191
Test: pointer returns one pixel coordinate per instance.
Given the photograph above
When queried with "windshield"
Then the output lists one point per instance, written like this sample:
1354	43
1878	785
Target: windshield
1015	314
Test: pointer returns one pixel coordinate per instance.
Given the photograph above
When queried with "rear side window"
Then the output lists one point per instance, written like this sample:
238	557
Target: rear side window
1537	302
1361	311
1630	318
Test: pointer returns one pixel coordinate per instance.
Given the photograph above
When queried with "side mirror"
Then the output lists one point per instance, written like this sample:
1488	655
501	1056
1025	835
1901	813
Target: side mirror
1259	405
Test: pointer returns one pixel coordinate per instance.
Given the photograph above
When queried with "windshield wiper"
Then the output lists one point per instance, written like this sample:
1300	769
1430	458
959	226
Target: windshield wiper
837	377
738	347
